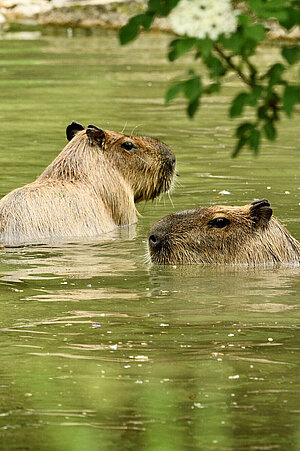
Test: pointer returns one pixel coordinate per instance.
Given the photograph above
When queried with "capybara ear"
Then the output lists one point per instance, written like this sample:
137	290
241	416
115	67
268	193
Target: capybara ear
260	212
95	134
72	129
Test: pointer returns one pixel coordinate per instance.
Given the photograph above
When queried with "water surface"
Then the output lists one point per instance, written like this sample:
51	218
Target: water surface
100	350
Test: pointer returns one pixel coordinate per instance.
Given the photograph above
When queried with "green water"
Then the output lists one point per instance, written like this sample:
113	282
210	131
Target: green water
101	351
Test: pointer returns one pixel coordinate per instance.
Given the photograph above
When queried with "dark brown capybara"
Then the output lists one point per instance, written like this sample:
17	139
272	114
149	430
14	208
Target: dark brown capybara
247	235
90	188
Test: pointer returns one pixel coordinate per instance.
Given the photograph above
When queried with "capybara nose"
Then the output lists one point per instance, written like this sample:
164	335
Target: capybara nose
154	240
170	161
173	161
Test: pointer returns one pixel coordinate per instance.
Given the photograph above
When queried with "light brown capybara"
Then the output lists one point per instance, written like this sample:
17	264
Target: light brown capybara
89	189
247	235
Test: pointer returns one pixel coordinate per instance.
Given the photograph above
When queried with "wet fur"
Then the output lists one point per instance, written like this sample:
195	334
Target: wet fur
89	189
253	237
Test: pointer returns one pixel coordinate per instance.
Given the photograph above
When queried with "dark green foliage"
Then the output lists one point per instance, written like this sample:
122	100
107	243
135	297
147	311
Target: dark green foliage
268	93
192	107
270	131
287	12
214	65
173	91
291	97
179	47
161	8
274	75
191	89
254	139
238	104
291	54
132	29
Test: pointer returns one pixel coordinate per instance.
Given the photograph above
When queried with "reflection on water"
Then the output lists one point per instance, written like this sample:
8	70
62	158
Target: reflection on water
76	259
100	350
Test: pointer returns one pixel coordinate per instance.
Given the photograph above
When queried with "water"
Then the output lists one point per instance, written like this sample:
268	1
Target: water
99	350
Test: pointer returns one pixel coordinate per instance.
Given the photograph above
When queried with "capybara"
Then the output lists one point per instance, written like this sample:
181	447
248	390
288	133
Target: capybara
90	188
247	235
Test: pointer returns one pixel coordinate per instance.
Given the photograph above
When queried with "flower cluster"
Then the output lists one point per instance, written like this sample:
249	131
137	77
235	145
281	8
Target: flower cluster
203	18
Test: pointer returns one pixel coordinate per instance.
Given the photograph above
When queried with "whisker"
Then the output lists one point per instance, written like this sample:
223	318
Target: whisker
134	128
146	162
176	182
147	258
169	196
124	127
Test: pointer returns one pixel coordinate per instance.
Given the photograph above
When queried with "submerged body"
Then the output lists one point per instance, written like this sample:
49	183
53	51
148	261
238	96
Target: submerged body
89	189
247	235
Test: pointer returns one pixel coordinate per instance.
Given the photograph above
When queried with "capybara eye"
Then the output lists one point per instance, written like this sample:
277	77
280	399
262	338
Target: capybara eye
128	145
219	223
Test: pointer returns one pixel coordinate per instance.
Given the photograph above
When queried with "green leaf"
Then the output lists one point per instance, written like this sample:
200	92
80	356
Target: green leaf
129	32
291	97
205	46
234	42
161	7
173	91
273	9
262	112
270	131
272	104
143	20
172	55
243	129
240	144
248	35
192	88
247	134
274	74
238	104
146	20
215	66
255	32
154	6
192	107
291	54
244	20
254	95
293	15
213	87
254	139
179	47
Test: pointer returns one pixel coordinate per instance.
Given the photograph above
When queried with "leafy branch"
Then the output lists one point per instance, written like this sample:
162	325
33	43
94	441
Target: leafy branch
268	93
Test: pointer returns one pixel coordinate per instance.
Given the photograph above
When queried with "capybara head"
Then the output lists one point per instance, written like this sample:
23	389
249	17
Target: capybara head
222	235
147	164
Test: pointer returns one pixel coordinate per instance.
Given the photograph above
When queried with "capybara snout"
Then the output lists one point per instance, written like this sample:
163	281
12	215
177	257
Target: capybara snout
223	235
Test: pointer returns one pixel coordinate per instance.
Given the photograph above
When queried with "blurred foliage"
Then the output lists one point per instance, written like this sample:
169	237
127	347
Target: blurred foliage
267	92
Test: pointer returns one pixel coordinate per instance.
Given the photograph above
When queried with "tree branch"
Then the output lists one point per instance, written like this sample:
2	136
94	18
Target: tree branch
228	60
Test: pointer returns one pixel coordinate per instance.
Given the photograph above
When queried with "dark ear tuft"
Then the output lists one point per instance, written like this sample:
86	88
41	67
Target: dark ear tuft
95	134
261	202
72	129
260	212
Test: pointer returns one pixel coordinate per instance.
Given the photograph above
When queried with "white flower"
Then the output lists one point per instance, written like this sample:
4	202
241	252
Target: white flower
203	18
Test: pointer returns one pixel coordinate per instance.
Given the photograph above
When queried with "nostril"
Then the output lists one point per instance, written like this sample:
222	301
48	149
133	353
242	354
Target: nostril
170	161
153	240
